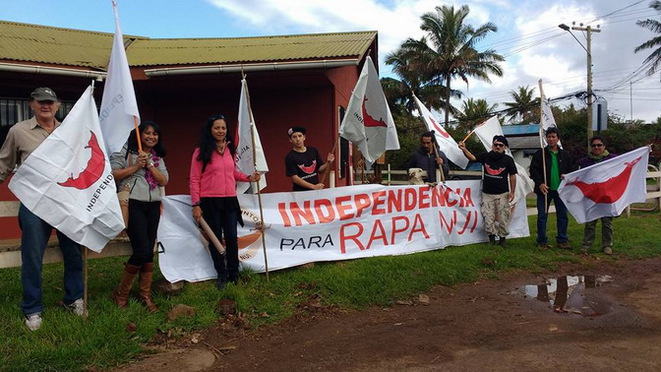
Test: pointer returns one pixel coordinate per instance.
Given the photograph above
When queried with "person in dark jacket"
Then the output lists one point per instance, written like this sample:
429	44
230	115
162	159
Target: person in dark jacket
597	154
426	159
547	168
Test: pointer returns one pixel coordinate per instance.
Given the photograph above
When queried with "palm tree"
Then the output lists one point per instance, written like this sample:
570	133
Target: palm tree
525	107
413	82
474	112
448	50
655	42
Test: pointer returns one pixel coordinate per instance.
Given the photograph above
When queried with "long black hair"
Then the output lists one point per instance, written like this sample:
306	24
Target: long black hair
159	149
207	143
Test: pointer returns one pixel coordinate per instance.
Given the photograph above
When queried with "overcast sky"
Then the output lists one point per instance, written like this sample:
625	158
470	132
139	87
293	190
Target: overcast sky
528	35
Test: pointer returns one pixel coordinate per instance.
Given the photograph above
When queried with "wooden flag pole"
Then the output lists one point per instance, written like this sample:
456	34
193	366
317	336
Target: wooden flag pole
439	172
85	277
259	191
137	133
469	134
327	171
212	237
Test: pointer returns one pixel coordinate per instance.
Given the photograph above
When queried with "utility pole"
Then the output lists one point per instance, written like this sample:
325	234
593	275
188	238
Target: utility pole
588	30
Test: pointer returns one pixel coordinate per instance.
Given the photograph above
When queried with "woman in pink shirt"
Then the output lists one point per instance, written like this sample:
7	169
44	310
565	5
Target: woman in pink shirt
213	177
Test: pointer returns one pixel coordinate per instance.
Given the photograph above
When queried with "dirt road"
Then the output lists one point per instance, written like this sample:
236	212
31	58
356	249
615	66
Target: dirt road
489	325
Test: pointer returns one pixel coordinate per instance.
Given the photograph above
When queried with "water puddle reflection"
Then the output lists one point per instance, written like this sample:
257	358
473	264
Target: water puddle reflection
571	294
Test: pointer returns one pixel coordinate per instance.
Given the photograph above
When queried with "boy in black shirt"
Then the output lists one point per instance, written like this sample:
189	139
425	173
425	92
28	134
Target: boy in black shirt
498	185
303	163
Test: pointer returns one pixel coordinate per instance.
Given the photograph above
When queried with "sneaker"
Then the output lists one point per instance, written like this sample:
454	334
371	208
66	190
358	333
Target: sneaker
77	307
33	321
221	283
564	245
543	245
608	251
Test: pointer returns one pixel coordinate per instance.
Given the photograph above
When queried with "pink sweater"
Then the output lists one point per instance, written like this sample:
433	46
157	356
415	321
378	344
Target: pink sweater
218	180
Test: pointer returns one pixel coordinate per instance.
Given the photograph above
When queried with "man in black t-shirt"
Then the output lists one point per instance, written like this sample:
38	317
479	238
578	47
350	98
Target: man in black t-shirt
498	185
303	163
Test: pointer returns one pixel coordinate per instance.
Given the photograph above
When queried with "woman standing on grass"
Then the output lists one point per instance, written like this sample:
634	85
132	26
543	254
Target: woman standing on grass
213	177
142	172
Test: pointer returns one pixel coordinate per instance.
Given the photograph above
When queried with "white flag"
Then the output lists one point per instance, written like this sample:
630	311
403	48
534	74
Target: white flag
548	120
118	104
606	188
244	158
446	143
368	122
485	132
67	181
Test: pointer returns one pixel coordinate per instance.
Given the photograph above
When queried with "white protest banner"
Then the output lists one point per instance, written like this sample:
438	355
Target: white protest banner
67	181
350	222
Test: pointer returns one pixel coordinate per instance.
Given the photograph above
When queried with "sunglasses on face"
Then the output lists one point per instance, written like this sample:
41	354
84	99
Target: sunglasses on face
597	145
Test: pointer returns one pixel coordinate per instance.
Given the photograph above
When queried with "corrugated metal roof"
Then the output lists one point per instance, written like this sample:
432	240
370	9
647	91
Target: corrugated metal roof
250	49
52	45
61	46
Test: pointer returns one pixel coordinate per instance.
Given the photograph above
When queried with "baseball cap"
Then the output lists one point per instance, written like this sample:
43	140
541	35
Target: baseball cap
43	94
293	130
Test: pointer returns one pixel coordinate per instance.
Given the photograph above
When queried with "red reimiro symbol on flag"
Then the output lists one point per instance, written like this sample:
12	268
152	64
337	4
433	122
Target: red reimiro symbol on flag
92	171
370	121
608	191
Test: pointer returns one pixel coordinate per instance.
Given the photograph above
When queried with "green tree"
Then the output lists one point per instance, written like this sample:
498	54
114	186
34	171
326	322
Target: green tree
525	107
473	112
655	26
448	50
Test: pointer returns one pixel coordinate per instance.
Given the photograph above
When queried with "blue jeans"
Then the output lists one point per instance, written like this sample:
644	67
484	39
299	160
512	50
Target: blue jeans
560	212
34	239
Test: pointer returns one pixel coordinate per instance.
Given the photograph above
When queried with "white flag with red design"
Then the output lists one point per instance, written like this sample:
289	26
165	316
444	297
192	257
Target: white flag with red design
605	189
485	132
446	143
245	160
67	181
118	103
548	120
368	122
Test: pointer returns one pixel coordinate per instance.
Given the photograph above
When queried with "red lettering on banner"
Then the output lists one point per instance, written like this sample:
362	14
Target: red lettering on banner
362	202
423	201
468	199
410	199
377	228
319	206
342	208
283	214
354	237
396	230
449	225
395	200
418	226
306	213
378	200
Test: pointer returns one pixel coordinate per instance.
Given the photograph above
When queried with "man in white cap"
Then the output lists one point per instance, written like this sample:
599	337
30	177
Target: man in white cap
23	138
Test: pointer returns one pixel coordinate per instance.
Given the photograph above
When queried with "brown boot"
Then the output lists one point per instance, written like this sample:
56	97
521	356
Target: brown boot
121	295
146	273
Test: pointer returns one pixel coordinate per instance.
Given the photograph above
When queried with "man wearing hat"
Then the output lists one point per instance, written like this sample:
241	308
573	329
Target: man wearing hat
23	138
498	185
303	163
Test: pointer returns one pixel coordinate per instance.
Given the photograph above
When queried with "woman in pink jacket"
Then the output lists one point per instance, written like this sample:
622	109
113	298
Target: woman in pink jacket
213	177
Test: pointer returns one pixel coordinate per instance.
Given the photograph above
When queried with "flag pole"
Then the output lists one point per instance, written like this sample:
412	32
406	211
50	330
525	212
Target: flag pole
85	277
137	133
469	134
327	171
541	144
259	191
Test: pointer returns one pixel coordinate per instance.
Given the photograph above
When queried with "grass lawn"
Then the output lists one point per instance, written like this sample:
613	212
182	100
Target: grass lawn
67	343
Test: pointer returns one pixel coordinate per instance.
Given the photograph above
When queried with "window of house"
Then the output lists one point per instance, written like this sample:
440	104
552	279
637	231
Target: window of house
13	110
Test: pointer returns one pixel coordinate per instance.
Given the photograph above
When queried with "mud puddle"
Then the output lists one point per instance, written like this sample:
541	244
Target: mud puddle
577	295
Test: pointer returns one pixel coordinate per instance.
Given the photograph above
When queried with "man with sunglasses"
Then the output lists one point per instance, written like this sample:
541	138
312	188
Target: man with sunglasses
498	185
547	168
597	154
